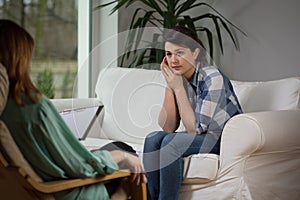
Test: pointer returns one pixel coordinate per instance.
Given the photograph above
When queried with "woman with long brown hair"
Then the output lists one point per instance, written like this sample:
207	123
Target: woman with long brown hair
39	131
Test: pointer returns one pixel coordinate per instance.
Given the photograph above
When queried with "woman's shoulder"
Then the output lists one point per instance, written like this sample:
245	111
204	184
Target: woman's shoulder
210	72
46	104
45	100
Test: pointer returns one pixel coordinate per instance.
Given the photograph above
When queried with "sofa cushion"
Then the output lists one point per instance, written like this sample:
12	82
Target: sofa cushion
242	90
269	95
132	100
193	174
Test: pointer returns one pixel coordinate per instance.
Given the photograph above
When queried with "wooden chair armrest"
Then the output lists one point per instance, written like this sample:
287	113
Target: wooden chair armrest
136	192
18	176
56	186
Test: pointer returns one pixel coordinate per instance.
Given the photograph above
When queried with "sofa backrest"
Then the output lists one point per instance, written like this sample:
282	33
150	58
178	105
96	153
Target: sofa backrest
133	98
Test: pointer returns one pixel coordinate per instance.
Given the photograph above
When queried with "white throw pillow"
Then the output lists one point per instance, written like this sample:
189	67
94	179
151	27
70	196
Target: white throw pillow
273	95
242	90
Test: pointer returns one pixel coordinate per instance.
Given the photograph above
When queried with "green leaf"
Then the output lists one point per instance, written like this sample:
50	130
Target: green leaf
221	16
136	32
122	3
171	6
144	21
189	22
139	57
155	6
229	32
104	5
218	33
209	39
186	5
215	21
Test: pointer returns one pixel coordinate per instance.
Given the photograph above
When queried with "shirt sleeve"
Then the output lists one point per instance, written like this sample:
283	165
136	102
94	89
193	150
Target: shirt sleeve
208	98
63	151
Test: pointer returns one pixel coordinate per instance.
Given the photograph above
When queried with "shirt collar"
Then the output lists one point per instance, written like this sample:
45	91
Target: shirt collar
197	76
194	78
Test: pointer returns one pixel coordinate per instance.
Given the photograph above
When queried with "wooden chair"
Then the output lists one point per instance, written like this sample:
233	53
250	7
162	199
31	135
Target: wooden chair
19	181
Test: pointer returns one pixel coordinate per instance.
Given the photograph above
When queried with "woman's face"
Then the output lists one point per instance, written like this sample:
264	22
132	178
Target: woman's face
181	59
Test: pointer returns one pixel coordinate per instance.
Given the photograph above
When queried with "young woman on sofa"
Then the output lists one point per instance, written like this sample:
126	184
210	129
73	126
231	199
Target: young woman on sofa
197	94
41	134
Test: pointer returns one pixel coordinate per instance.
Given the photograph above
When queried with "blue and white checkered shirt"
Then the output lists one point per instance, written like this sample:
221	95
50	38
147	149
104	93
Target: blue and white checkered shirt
213	99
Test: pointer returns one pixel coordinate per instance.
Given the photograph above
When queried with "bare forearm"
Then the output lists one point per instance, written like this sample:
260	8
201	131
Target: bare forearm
186	111
169	118
167	123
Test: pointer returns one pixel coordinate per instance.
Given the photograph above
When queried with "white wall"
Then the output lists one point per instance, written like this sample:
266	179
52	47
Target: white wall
271	50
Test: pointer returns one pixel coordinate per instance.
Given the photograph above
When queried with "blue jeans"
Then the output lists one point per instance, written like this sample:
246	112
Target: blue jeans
163	160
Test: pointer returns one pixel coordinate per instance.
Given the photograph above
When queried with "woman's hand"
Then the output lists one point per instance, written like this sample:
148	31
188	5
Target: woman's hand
136	167
131	162
173	79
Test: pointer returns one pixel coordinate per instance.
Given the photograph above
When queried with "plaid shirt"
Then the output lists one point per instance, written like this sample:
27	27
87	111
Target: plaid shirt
213	99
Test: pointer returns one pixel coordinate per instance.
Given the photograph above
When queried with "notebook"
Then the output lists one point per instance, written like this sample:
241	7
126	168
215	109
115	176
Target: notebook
81	120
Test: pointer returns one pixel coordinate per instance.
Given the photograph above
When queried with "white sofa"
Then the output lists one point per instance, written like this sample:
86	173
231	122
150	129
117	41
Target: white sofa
260	149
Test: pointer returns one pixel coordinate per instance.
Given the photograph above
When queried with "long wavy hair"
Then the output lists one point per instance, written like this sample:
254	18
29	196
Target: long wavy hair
16	48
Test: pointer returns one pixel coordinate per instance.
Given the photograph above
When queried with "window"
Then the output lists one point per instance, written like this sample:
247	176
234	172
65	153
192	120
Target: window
53	25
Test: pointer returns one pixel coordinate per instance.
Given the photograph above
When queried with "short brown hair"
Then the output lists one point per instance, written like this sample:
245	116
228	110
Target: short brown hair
186	37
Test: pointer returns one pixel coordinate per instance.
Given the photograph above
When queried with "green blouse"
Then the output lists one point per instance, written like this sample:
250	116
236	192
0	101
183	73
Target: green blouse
53	151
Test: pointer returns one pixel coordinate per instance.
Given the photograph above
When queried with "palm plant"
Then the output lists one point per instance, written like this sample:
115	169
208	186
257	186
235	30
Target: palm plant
167	14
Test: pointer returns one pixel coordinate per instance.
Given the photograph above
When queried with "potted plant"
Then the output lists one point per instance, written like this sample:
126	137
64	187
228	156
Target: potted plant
167	14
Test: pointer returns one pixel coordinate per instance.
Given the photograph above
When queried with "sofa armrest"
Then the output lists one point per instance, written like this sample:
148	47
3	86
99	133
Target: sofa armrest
250	133
260	151
63	104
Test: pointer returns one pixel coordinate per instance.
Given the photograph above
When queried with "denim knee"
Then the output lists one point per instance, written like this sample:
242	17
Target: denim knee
170	147
175	143
168	140
154	133
153	140
155	137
